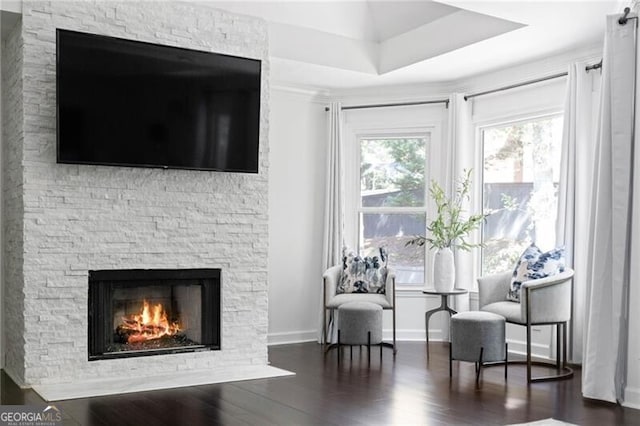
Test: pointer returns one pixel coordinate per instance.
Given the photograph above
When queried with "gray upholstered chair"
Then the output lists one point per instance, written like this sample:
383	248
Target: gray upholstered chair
545	301
332	301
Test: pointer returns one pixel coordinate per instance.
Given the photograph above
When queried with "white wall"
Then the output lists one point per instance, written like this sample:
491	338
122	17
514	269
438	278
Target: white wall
296	208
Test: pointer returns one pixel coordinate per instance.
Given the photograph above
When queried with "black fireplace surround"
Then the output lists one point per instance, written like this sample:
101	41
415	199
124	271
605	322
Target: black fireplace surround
140	312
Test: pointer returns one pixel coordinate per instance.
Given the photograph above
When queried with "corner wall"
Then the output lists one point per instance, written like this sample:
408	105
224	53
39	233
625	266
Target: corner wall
79	218
297	176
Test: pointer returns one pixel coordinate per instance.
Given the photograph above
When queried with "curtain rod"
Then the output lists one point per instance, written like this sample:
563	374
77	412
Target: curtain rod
442	101
513	86
537	80
594	66
473	95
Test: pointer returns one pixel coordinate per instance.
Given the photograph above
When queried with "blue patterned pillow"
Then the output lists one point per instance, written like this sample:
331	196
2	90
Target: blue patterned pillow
534	264
363	274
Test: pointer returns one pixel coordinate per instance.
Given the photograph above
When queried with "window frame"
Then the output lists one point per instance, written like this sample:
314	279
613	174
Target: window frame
429	134
423	210
388	122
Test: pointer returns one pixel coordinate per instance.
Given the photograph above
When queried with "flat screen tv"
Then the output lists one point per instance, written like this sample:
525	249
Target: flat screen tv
129	103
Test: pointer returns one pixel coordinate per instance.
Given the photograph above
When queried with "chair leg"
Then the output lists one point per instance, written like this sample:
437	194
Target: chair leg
564	344
369	347
506	359
479	365
450	361
558	327
394	329
426	331
528	353
339	347
563	371
324	326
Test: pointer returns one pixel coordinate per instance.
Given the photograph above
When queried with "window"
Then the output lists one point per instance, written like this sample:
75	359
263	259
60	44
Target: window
393	177
520	189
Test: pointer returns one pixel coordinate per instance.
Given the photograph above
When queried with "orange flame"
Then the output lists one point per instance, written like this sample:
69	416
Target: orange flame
151	323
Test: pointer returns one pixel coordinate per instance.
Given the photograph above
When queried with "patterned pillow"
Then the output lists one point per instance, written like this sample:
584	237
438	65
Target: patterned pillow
534	264
363	274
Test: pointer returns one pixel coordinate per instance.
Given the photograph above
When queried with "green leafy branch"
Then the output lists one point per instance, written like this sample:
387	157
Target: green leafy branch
449	228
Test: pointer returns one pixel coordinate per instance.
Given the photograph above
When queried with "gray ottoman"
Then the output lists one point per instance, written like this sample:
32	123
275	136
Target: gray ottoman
478	337
360	323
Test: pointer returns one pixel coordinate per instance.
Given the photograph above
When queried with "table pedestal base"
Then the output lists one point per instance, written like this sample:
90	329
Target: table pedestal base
444	306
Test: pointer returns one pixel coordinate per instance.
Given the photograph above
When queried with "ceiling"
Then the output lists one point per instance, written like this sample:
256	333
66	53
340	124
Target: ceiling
335	44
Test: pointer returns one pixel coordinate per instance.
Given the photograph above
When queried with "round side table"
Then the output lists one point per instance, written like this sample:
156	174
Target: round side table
444	306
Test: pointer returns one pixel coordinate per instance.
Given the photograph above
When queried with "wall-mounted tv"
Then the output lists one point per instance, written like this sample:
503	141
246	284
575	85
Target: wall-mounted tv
128	103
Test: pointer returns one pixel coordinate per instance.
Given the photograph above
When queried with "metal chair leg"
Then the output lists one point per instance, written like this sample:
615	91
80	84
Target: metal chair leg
450	361
506	359
324	326
339	349
479	364
564	344
558	346
528	353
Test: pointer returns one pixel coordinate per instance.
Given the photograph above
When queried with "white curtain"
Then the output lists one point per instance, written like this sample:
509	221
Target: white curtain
333	237
460	155
609	254
574	195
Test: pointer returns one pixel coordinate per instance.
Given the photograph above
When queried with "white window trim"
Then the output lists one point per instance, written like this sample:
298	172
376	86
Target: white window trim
480	127
357	130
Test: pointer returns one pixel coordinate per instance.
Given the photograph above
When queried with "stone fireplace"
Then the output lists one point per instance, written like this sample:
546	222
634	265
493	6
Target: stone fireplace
64	224
153	312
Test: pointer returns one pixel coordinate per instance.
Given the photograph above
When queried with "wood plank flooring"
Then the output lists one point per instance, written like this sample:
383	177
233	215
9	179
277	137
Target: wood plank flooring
408	390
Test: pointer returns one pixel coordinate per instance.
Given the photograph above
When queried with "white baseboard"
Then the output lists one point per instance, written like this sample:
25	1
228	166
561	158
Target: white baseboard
538	350
631	398
517	347
289	337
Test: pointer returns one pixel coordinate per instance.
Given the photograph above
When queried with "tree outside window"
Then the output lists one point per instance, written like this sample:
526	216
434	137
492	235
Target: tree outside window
520	189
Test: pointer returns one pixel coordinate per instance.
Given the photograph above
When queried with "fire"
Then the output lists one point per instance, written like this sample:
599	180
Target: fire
151	323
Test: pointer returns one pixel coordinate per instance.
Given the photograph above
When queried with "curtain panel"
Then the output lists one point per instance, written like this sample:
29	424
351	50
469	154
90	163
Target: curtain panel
574	193
333	236
609	249
461	154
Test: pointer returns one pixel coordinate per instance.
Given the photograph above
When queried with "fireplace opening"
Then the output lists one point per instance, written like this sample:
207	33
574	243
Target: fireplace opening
139	312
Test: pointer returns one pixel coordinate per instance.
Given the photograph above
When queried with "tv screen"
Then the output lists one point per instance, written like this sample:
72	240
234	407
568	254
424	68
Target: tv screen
129	103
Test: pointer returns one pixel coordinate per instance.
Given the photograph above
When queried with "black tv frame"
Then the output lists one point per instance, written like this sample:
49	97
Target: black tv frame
141	165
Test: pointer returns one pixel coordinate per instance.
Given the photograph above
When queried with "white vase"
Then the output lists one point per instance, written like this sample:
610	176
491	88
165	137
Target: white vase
444	271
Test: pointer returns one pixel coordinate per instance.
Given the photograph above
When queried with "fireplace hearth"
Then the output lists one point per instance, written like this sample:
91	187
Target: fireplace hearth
140	312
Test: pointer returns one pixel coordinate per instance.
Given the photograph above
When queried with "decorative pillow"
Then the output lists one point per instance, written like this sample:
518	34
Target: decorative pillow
534	264
363	274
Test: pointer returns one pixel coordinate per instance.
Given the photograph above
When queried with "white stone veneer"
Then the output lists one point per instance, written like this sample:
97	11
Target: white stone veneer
63	220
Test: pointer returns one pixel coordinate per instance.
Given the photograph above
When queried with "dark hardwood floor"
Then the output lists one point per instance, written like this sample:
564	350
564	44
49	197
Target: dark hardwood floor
406	390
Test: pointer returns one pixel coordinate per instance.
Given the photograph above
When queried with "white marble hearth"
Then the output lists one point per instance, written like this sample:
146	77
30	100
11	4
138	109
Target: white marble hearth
91	388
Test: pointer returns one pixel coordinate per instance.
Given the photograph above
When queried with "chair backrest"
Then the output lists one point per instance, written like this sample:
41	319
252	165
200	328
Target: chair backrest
550	298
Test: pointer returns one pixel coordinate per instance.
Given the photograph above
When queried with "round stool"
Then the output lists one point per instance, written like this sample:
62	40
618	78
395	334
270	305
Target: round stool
360	323
478	337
